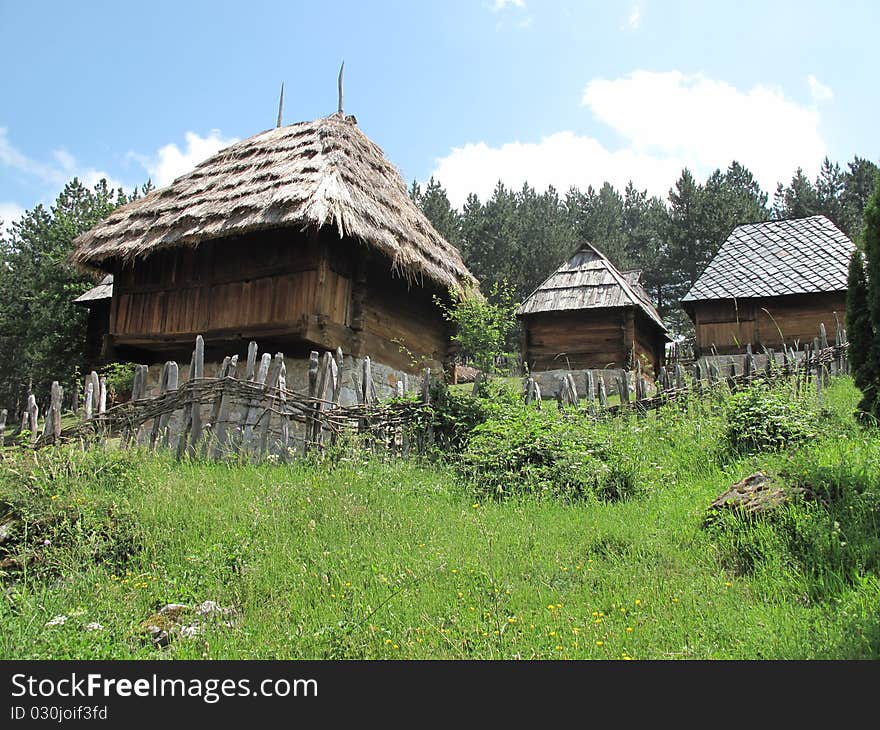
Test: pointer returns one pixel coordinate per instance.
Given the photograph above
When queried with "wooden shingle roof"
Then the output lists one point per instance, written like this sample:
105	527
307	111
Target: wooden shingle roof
775	258
103	290
588	280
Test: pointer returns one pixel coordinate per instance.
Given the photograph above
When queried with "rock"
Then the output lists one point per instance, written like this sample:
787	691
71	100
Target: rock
179	620
7	527
756	494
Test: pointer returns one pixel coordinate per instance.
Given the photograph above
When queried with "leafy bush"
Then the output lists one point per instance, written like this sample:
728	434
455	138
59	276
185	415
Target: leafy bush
768	419
456	415
120	378
519	450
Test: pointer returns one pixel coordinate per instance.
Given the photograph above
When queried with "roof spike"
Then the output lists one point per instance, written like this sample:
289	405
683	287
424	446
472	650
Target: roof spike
280	106
339	83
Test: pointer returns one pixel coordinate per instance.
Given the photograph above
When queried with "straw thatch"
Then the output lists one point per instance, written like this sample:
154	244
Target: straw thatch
311	174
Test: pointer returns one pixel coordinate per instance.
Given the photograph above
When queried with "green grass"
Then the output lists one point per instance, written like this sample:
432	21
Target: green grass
395	559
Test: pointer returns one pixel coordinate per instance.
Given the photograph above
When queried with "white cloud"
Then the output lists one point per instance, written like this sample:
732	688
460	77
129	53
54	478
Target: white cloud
9	214
10	156
501	4
170	162
667	121
634	18
52	175
562	160
818	90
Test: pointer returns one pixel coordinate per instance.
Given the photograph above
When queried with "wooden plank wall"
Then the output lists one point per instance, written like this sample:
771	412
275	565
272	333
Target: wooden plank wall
730	328
292	286
262	280
575	340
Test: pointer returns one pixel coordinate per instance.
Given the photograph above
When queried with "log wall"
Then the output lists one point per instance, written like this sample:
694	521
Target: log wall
582	339
291	288
730	325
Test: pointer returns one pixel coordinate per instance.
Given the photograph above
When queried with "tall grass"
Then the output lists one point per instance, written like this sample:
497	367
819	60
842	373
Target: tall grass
392	558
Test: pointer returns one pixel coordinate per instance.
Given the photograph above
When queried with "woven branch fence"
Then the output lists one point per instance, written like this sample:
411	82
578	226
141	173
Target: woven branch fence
813	366
250	417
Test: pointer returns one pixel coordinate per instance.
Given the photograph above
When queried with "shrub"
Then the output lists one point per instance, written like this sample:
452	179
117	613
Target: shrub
120	378
519	450
761	418
456	415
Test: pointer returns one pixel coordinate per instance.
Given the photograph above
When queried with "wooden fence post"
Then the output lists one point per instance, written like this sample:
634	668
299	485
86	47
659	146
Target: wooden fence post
170	376
96	391
220	417
89	400
603	395
253	406
591	391
313	393
271	396
33	411
623	387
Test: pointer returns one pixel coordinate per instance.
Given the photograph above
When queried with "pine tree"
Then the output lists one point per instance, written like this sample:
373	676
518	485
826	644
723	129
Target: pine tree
871	242
859	331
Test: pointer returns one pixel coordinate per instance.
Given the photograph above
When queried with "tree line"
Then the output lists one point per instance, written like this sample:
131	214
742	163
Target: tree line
521	236
42	334
516	236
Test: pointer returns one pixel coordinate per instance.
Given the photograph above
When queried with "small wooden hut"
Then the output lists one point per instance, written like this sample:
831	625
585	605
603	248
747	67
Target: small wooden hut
587	314
771	282
301	237
97	301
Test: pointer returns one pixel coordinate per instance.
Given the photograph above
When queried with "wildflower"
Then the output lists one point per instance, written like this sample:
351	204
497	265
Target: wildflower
388	641
638	601
600	643
475	505
552	633
395	647
54	496
460	594
629	629
727	584
551	607
511	620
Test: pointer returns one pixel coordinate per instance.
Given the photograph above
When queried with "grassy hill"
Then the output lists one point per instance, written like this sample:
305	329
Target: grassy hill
369	557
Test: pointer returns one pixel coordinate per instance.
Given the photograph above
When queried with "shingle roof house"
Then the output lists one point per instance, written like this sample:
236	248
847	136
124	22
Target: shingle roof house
587	314
770	282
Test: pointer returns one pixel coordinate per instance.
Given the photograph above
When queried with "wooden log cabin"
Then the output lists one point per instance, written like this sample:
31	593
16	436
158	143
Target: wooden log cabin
301	237
587	314
771	282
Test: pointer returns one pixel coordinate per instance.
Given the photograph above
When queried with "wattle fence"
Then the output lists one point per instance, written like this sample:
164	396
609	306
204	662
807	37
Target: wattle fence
255	415
249	417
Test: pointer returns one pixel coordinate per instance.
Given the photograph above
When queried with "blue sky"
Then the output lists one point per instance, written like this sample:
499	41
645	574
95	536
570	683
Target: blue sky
556	93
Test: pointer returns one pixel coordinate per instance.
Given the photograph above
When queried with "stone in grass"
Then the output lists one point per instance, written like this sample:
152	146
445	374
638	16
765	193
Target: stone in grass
754	495
177	619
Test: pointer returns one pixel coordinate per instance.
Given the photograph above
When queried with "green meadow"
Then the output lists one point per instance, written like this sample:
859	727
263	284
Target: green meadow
460	554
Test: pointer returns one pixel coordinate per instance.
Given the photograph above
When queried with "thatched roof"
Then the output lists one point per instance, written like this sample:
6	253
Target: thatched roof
588	280
776	258
321	173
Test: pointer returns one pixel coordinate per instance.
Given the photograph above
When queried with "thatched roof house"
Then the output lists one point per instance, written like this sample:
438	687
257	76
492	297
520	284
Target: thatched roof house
303	234
587	314
768	282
